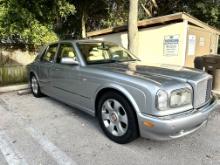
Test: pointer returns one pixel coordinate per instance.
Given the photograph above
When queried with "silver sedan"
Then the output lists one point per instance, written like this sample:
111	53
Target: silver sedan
128	98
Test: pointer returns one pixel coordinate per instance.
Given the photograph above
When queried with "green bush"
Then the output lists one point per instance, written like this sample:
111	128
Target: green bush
17	20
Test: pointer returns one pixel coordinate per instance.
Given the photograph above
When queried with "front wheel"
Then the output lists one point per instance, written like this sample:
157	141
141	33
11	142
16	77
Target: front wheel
35	88
117	118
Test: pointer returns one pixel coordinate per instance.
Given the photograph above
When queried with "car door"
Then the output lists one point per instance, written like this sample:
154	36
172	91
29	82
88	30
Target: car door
45	66
65	77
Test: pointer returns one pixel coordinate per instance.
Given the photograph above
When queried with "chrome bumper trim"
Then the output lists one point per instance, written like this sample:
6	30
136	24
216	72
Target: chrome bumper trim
176	126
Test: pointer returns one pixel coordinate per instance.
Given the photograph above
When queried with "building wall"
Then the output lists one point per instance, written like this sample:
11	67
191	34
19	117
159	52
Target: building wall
151	43
205	43
13	65
17	56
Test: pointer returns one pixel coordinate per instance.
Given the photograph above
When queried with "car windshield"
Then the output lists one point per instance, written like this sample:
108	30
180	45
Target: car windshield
104	52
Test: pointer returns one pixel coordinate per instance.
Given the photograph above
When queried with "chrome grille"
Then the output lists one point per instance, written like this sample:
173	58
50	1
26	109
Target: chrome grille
202	92
209	89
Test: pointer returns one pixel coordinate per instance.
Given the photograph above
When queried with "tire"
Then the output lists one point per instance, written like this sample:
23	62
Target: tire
117	118
35	88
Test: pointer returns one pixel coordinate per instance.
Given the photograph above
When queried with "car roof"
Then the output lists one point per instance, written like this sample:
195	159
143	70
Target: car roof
81	40
85	40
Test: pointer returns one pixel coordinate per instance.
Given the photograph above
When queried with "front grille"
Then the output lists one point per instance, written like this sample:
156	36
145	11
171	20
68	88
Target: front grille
209	89
202	92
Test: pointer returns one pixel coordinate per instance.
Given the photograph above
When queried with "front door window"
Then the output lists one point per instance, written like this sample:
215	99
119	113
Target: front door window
66	51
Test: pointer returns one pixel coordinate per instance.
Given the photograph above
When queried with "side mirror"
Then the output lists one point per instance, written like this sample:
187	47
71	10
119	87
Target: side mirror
69	61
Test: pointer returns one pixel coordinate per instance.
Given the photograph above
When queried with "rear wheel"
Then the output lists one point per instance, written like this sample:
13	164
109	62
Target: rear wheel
117	118
35	88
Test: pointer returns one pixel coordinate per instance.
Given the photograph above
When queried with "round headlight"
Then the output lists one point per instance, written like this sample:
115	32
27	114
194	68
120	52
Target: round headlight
180	97
162	100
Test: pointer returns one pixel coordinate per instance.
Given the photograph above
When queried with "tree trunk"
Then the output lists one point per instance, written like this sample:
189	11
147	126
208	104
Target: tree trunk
132	27
83	24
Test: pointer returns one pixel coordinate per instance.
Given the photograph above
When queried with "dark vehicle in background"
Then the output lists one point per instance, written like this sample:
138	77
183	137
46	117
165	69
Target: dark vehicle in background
210	64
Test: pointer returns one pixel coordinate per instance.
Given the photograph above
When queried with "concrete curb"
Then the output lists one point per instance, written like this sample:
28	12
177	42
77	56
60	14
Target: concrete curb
14	88
24	91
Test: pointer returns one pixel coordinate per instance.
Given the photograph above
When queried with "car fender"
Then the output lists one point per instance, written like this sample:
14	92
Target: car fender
35	73
124	91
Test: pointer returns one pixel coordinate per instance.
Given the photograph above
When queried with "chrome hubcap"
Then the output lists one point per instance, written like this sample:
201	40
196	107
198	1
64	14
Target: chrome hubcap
34	85
114	117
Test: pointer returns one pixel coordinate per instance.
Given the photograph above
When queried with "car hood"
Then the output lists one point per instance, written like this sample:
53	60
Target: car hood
160	71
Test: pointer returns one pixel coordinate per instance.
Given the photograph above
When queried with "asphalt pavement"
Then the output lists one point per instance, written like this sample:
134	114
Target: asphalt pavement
43	131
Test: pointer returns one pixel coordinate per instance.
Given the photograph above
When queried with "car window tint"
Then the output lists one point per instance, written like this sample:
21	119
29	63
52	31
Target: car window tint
66	51
50	53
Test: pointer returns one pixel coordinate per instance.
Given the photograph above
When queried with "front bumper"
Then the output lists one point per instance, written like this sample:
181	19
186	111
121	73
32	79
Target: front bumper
175	126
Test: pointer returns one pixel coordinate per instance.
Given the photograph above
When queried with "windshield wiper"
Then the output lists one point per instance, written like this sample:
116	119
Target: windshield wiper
111	61
125	60
134	60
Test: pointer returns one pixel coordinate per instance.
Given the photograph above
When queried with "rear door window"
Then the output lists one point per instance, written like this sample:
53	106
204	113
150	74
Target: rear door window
50	53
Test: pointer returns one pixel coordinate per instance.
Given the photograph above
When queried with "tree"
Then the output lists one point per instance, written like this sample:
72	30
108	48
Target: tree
132	27
206	10
32	21
147	9
42	21
117	14
89	11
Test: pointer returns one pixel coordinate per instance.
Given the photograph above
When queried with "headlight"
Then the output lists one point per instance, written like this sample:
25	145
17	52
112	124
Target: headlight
177	98
162	100
180	97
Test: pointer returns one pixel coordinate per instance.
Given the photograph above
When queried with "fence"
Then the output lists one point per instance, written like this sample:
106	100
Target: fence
11	74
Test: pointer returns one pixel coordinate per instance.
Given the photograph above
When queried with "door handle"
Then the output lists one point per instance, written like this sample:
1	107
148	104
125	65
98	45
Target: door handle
57	69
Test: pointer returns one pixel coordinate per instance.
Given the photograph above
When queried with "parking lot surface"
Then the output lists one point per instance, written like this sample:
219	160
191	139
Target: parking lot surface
47	132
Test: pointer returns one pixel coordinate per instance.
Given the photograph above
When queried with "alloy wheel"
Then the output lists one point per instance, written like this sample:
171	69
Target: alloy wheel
114	117
34	85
